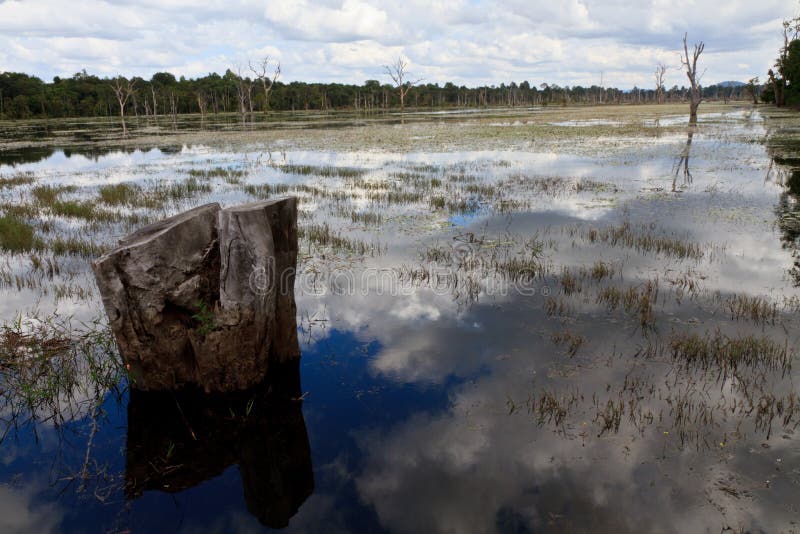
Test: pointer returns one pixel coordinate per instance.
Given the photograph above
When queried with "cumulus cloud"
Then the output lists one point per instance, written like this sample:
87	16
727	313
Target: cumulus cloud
352	20
466	41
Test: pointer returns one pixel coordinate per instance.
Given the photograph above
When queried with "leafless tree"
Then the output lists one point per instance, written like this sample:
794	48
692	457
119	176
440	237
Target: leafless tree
202	102
155	104
690	63
244	92
261	71
135	106
661	70
173	109
123	89
397	72
753	85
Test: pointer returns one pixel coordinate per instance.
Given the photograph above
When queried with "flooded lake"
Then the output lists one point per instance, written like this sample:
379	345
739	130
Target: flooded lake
549	319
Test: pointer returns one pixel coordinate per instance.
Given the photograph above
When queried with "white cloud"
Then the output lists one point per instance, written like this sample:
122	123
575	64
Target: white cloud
465	41
352	20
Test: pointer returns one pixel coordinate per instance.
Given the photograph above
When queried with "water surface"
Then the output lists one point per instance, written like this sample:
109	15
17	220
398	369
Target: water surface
597	334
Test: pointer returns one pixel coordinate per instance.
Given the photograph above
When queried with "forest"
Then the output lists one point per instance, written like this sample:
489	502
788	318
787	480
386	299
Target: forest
86	95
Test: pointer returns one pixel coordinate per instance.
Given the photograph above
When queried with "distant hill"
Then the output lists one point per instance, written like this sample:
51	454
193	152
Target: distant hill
730	84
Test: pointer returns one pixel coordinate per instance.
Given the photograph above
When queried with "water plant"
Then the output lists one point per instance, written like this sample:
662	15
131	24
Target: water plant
16	235
204	317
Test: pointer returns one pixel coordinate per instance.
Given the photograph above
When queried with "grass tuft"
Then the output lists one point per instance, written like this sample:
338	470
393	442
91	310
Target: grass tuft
16	235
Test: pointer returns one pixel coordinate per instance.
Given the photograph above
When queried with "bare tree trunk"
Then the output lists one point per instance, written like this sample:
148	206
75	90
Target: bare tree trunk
173	107
135	106
397	72
267	83
777	87
661	70
695	91
202	103
244	93
123	89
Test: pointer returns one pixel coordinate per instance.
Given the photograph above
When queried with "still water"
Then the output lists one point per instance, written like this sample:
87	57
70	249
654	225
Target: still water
597	337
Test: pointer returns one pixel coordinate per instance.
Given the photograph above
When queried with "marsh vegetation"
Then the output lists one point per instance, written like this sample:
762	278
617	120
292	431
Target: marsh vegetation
528	294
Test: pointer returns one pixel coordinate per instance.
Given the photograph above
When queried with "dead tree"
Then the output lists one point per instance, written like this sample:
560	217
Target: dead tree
123	89
397	72
261	71
202	102
661	70
244	93
173	109
752	87
155	102
777	86
695	91
135	106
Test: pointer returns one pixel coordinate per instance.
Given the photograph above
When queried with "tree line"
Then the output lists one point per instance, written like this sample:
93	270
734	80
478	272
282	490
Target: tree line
783	80
85	95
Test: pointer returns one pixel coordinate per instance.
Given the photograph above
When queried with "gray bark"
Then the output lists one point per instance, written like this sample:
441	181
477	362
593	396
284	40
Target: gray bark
196	299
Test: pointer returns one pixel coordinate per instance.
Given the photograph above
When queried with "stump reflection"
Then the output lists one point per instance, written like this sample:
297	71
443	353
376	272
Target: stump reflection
178	440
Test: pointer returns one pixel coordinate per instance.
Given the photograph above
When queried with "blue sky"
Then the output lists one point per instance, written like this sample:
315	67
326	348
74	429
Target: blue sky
466	41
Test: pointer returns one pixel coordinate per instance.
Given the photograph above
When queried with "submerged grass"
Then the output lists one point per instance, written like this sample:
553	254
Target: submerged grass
16	235
637	300
75	246
323	236
642	239
51	368
153	197
266	190
557	307
757	309
601	270
550	408
47	195
123	194
570	283
20	178
20	211
367	218
231	176
324	171
437	202
521	268
573	342
47	265
74	208
718	351
174	191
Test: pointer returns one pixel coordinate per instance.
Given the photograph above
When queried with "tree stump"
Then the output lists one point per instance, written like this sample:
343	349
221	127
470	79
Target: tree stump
205	298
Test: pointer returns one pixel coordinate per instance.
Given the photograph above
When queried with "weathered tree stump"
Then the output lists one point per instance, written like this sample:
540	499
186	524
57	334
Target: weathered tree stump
205	298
